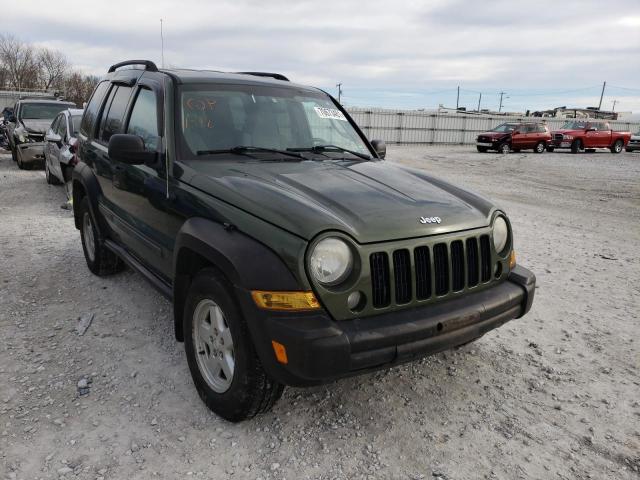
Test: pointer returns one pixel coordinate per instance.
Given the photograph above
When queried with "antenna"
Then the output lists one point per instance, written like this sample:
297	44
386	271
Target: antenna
161	44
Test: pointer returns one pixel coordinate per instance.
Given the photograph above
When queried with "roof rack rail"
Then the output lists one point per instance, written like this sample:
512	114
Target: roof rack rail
277	76
148	64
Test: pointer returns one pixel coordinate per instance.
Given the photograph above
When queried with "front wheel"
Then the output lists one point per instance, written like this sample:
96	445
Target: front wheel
225	368
576	146
504	148
21	164
550	149
539	148
617	146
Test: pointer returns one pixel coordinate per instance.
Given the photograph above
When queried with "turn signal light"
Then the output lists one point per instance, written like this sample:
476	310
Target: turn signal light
512	259
280	351
290	301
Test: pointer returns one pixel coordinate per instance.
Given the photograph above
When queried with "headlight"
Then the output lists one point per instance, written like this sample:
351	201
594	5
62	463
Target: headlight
500	234
331	261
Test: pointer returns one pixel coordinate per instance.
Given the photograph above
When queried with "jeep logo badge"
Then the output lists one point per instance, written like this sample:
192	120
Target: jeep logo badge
430	220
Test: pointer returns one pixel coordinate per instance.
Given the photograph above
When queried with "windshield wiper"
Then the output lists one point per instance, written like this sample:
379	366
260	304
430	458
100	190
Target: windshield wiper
323	148
245	150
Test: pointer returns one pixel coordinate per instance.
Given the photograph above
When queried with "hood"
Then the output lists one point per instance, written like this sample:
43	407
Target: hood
494	134
372	201
37	125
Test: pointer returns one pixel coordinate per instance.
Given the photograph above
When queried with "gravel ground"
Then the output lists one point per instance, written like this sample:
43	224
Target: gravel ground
554	395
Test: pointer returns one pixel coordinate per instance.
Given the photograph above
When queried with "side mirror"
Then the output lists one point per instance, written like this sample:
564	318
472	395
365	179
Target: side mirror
12	118
129	149
53	137
380	147
516	132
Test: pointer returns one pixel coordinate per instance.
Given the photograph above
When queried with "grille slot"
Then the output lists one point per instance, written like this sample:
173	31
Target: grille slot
457	266
441	268
472	262
402	275
485	255
423	272
380	290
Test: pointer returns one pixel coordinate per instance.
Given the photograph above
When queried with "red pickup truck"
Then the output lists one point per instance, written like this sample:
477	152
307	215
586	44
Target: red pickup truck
588	135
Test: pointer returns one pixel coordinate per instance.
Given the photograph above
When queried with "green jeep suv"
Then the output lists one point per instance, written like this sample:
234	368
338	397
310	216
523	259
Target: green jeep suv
293	253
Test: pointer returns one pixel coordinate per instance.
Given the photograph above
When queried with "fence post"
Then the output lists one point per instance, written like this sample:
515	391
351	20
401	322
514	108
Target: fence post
400	124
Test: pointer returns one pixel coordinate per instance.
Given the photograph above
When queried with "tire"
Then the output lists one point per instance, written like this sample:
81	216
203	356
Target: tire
617	146
51	179
250	390
576	146
14	156
539	148
504	148
100	260
550	149
21	165
482	149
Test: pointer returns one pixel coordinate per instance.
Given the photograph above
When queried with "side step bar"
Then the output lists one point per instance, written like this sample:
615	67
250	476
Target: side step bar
159	284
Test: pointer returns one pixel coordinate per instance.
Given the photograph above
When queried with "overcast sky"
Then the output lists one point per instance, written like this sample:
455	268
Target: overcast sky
409	54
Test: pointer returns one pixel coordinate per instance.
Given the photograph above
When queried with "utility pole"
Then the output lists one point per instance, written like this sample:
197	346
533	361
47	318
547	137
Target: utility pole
458	98
602	95
339	85
500	107
614	105
161	43
479	100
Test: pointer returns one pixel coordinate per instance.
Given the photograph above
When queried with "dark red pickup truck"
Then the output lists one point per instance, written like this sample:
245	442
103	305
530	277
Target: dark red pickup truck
588	135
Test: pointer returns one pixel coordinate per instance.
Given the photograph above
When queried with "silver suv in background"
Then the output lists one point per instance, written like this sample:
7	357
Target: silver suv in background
27	126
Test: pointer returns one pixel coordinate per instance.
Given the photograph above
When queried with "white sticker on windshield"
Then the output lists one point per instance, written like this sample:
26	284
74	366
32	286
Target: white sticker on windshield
331	113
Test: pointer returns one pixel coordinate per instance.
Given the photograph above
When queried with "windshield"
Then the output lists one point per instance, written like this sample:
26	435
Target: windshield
36	111
573	125
505	128
221	117
75	124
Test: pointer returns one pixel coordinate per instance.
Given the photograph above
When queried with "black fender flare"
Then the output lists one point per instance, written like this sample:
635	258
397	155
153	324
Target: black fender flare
243	260
83	176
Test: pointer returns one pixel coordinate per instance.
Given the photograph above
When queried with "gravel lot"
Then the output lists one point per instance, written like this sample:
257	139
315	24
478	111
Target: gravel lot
554	395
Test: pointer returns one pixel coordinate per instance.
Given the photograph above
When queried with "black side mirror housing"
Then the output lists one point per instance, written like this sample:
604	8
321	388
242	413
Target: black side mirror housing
380	147
129	149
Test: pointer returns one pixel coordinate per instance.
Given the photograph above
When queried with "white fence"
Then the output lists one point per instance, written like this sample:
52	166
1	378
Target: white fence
415	127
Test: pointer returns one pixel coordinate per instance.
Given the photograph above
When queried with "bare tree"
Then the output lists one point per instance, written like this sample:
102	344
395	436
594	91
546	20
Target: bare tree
20	63
77	88
54	66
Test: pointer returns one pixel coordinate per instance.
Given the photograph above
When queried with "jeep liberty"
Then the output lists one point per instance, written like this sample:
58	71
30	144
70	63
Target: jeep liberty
293	253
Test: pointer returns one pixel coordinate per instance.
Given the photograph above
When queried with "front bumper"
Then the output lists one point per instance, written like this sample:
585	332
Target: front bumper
321	350
632	146
31	152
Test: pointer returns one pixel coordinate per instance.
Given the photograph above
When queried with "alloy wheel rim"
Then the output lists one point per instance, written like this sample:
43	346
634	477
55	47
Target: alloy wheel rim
89	239
213	345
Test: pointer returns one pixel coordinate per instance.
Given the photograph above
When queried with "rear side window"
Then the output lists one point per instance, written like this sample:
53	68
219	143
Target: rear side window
144	119
542	128
112	120
91	112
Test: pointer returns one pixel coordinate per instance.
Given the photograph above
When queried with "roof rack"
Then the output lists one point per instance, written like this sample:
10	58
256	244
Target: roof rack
277	76
148	65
